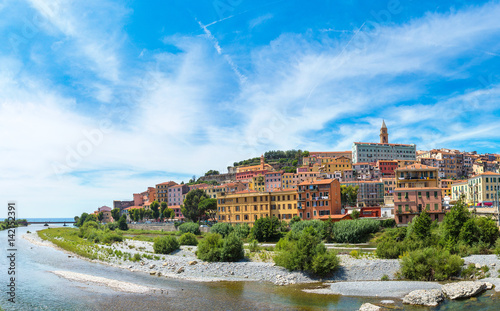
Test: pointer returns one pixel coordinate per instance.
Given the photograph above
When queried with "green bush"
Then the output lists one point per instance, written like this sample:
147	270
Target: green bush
318	225
254	246
324	263
111	237
488	230
384	277
242	230
189	227
232	248
430	264
266	229
122	223
112	226
165	244
354	231
222	228
137	257
308	253
388	223
188	239
209	249
497	248
390	249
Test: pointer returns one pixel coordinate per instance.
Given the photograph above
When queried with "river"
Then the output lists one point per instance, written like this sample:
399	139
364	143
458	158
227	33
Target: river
39	289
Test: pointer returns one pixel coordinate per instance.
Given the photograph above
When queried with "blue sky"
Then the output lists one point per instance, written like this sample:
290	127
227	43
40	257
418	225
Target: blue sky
100	99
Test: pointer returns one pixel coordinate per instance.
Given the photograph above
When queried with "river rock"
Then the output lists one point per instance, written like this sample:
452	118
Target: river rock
151	267
387	302
165	264
193	262
181	269
152	273
478	266
464	289
369	307
488	285
424	297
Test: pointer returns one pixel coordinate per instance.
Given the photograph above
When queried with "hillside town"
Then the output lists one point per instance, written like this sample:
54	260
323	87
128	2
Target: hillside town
388	181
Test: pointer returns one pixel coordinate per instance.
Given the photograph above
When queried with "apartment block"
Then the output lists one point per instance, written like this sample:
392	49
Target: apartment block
319	199
370	193
417	188
162	190
248	206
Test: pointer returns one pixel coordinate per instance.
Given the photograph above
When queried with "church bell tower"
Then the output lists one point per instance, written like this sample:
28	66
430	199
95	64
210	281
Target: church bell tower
384	136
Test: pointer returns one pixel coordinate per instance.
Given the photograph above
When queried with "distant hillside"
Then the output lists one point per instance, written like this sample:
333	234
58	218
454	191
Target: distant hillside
288	160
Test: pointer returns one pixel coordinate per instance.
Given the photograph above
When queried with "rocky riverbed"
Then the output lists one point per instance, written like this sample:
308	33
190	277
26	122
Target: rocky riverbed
183	264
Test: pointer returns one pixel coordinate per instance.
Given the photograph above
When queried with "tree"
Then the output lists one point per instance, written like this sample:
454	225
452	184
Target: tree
155	209
100	216
81	219
349	195
422	226
208	207
141	213
266	229
115	213
122	223
191	209
212	172
148	214
355	214
305	153
454	221
91	217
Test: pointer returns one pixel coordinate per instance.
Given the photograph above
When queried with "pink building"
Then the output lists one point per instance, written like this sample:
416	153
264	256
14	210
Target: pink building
273	180
410	202
177	211
176	194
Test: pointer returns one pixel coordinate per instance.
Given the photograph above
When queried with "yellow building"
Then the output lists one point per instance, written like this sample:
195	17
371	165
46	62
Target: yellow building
248	206
252	168
339	164
417	176
258	183
289	181
479	190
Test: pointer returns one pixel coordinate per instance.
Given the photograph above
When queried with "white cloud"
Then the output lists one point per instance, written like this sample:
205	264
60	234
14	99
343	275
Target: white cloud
189	114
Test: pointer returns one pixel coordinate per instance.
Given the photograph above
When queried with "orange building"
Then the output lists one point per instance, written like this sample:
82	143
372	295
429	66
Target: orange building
319	199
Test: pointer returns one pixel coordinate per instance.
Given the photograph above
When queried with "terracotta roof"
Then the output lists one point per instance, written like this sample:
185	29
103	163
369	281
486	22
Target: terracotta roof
406	145
317	182
417	166
486	173
133	207
167	182
420	188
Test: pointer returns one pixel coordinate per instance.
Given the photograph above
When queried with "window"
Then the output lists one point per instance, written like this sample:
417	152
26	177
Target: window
237	217
419	194
427	207
399	195
436	206
435	194
314	213
407	208
400	209
406	195
308	215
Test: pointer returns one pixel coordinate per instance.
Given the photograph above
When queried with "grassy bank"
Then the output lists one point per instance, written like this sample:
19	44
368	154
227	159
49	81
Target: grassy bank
68	239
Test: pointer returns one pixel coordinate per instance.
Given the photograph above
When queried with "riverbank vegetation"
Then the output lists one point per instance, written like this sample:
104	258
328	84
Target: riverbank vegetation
305	252
215	248
13	224
431	250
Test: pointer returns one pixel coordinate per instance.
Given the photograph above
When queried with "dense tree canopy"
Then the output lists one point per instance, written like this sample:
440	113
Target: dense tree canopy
191	207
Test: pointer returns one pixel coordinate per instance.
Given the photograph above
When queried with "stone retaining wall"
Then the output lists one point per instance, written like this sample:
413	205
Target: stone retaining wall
159	227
